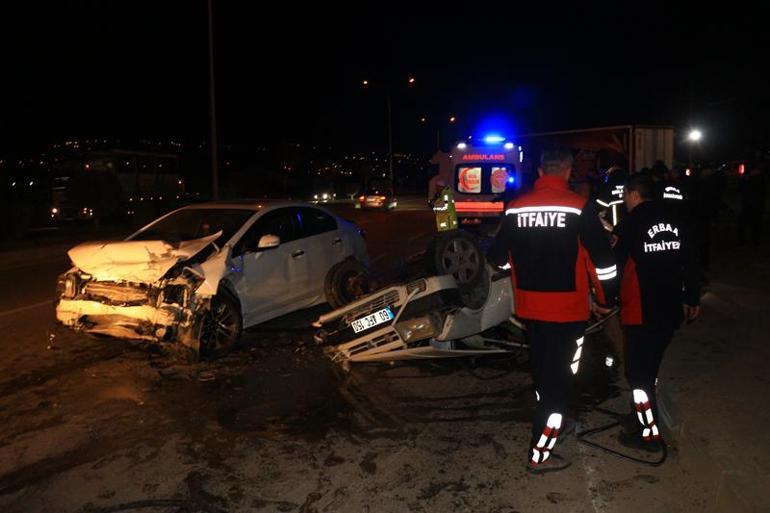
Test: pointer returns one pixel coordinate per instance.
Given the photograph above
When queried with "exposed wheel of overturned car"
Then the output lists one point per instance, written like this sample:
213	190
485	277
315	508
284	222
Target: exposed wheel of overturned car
222	326
345	282
457	253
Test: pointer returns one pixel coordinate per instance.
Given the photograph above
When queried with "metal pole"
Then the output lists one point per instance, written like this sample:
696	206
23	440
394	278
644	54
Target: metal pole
214	158
390	141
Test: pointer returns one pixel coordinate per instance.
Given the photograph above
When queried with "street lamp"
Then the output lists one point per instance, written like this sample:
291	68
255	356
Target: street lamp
694	137
410	81
438	125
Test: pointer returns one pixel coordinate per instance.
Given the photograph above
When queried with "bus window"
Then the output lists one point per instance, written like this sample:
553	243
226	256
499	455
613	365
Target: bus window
469	180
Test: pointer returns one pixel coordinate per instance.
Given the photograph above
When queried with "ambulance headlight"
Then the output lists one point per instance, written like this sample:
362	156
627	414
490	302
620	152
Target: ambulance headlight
508	146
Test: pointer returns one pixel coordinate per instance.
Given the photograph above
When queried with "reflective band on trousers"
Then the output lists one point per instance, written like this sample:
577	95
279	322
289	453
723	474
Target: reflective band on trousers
644	414
547	440
576	358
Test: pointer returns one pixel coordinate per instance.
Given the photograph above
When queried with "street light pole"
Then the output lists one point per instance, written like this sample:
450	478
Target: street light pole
390	141
693	138
214	157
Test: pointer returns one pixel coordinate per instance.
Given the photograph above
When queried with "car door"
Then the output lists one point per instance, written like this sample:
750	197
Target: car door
272	280
325	246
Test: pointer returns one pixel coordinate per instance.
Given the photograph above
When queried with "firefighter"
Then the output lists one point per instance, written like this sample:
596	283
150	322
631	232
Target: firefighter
674	193
659	289
610	197
558	252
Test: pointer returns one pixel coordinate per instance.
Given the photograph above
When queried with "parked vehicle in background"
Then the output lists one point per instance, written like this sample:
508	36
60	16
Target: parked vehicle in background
631	147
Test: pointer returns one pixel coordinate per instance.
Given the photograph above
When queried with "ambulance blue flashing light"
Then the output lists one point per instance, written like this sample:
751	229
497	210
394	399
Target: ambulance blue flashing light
511	179
493	139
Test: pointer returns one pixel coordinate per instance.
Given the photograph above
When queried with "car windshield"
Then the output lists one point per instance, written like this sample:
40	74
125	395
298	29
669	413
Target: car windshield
377	192
194	223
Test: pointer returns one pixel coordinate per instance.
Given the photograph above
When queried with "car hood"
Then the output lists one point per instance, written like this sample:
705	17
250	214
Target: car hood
140	261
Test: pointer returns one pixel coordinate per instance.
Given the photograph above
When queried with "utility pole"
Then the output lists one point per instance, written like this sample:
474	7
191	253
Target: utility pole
214	156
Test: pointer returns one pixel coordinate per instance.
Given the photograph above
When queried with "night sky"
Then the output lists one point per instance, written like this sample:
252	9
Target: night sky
140	69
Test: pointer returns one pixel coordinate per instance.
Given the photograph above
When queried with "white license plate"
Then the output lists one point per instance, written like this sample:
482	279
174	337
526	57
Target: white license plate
372	320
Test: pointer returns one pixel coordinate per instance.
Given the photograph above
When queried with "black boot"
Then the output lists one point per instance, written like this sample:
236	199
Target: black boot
634	440
553	464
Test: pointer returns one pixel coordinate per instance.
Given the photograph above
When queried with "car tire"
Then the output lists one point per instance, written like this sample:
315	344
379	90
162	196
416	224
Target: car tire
222	326
345	282
457	253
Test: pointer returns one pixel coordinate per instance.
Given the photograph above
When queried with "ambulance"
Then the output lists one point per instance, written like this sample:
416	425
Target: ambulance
483	176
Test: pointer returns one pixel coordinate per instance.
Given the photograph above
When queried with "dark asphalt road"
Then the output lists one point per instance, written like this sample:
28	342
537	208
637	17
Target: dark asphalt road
97	424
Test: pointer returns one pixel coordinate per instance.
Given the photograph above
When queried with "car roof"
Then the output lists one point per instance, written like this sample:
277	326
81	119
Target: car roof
248	204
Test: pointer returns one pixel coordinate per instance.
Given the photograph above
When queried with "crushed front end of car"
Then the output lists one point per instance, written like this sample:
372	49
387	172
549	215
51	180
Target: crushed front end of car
144	290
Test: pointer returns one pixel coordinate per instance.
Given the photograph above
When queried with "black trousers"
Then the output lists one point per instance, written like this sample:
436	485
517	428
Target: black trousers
554	348
645	347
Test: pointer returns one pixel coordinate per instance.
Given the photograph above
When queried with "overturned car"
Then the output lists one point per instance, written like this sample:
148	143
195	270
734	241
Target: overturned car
465	308
195	278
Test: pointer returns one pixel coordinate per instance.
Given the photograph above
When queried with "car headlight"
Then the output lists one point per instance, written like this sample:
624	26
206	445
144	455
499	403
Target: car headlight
315	196
326	196
419	328
67	286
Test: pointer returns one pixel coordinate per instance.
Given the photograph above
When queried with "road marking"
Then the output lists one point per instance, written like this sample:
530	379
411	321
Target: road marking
24	308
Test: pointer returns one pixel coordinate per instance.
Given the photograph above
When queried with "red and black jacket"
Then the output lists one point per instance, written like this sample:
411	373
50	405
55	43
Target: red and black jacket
657	260
558	252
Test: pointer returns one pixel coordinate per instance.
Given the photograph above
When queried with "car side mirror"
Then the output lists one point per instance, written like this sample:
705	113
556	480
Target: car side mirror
268	242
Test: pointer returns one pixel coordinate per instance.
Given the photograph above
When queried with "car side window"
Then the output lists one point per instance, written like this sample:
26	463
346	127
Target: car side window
316	221
283	222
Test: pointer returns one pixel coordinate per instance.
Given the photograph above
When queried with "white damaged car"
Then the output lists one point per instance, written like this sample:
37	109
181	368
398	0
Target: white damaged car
195	278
